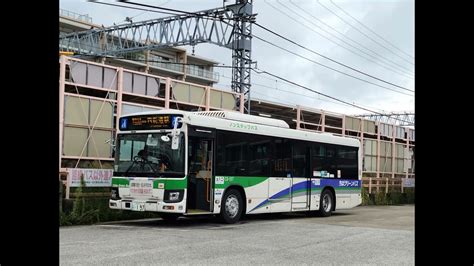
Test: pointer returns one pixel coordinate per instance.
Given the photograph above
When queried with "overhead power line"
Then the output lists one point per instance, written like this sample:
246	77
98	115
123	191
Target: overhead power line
158	7
292	85
380	57
278	77
336	43
320	93
363	25
330	59
180	12
175	10
328	67
136	8
287	91
364	33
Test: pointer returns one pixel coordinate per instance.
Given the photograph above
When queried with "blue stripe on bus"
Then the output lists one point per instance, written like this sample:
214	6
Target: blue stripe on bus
283	193
335	183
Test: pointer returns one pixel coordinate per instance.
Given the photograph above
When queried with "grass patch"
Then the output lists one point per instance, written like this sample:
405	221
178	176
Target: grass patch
89	210
391	198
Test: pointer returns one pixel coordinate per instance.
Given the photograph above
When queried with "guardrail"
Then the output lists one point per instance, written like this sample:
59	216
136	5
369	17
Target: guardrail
387	184
66	13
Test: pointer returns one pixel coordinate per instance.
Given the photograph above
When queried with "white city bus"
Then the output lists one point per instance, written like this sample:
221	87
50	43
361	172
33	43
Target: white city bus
230	164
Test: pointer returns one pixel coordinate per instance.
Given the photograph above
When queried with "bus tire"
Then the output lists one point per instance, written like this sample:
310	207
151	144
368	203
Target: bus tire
326	203
169	216
231	206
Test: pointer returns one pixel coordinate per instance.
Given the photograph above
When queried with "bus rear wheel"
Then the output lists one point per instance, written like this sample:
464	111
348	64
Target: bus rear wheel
231	206
326	203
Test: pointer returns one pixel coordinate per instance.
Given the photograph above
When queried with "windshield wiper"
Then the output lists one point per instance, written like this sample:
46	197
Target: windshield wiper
130	167
143	162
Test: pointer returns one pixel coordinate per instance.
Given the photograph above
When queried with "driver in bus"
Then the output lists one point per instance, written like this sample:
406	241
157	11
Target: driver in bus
143	154
164	162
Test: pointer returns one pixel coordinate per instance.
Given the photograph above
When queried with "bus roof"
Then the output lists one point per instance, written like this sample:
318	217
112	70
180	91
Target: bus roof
237	122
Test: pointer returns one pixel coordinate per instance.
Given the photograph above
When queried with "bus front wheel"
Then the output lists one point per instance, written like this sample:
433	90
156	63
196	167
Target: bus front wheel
231	206
326	203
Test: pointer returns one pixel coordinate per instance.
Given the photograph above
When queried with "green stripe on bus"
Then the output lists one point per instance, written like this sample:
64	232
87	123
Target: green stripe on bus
301	190
244	181
347	188
119	182
171	183
298	193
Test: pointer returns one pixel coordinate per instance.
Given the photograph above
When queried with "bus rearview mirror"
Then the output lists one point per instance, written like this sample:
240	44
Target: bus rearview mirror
151	141
175	142
175	134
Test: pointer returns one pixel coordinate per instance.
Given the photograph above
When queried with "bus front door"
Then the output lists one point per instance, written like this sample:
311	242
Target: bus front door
200	169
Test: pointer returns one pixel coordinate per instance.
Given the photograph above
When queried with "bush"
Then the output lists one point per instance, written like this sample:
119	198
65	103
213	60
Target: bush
391	198
84	210
80	213
367	199
395	198
381	198
64	219
97	210
410	195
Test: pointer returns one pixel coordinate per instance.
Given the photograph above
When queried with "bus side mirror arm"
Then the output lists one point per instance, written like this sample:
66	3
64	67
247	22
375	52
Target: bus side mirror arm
175	134
110	142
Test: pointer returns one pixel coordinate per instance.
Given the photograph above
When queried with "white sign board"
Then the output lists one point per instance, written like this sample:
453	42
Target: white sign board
141	187
92	177
408	182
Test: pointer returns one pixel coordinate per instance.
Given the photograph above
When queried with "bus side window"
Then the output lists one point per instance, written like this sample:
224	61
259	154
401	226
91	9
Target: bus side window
299	159
283	166
318	153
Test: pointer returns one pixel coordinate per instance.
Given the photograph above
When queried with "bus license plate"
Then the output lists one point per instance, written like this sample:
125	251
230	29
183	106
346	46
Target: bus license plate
138	206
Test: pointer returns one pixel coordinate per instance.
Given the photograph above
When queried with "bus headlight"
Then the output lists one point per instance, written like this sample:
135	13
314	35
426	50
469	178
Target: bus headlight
173	196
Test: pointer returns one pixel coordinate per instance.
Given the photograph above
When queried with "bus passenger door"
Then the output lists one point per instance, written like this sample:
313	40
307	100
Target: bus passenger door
301	183
200	170
300	194
279	192
279	186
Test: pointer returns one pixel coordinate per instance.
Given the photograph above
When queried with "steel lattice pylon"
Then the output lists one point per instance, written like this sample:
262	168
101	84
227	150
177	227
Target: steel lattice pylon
401	118
241	52
229	26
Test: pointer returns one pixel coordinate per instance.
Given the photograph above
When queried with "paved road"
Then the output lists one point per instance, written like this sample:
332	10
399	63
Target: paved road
368	235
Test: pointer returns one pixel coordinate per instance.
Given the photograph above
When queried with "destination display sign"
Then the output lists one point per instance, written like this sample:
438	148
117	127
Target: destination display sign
148	122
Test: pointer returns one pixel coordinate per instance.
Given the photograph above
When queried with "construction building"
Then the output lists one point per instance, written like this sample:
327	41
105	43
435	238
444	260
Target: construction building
96	91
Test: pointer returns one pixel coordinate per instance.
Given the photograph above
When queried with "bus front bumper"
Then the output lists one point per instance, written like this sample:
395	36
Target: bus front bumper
149	206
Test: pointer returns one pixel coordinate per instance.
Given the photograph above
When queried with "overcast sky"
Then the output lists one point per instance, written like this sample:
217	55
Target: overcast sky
392	20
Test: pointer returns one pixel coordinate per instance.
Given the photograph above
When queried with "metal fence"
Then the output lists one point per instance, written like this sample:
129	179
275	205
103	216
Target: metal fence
73	15
376	185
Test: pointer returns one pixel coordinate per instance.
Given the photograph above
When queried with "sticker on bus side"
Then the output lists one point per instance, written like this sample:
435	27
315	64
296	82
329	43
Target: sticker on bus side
218	193
219	180
349	183
316	182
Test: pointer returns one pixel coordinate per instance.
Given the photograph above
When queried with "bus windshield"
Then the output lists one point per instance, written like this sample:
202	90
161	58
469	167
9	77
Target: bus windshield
150	155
